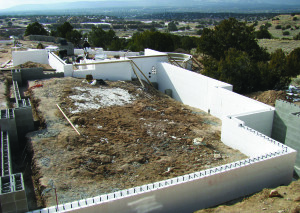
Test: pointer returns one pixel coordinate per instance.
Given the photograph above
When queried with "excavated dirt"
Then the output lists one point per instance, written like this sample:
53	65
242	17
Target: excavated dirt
269	97
129	137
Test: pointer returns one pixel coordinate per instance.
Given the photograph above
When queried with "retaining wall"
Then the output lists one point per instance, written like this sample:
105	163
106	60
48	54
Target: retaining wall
286	127
38	56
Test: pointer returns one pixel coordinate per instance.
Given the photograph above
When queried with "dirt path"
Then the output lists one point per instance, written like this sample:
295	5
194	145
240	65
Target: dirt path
144	137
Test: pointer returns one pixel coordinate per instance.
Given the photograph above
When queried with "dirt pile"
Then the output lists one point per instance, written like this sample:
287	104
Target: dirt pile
31	64
268	97
149	138
288	200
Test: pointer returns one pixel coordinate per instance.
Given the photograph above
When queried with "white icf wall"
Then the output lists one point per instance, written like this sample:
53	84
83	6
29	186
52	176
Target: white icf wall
148	65
194	191
188	87
35	55
113	71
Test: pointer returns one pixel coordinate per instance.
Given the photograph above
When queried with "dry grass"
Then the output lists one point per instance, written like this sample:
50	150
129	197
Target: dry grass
274	44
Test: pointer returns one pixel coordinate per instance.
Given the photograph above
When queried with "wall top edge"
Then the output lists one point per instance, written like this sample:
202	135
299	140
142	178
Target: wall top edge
252	112
146	56
286	102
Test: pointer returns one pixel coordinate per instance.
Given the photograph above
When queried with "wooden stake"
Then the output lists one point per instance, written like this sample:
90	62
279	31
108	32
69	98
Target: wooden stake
68	119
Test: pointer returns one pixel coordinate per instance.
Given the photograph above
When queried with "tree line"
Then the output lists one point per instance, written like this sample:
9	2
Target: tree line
230	51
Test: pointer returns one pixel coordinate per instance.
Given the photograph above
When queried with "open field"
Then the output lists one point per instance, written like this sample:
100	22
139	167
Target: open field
273	44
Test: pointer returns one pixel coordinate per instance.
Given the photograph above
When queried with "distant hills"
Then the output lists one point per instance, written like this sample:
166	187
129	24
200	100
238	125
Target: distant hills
89	7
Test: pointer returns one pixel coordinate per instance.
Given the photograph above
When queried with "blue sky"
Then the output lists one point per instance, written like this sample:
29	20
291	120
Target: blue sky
10	3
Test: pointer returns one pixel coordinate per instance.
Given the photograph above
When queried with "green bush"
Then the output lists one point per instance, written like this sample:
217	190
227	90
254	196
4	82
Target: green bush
285	33
278	27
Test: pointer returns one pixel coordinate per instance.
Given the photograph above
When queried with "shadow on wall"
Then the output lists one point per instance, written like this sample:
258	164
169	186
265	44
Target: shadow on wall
279	128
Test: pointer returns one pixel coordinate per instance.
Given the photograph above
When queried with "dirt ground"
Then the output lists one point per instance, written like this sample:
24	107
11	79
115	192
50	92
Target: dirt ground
145	138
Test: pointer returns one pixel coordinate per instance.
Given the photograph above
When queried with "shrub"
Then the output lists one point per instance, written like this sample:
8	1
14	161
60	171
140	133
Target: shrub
278	27
297	37
295	18
285	33
263	33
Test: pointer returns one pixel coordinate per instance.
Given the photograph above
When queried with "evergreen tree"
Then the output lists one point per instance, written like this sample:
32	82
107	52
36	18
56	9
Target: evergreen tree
35	29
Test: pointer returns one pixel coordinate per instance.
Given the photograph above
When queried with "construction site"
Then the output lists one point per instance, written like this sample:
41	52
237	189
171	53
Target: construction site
92	136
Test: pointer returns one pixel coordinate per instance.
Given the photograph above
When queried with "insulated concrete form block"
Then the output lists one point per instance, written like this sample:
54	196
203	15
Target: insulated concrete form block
17	76
6	164
31	74
21	206
9	207
24	120
12	194
8	123
286	127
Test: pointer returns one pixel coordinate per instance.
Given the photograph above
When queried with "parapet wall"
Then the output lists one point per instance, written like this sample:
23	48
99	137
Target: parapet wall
286	127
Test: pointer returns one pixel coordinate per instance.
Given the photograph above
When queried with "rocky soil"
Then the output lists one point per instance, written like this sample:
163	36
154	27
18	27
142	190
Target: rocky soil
129	137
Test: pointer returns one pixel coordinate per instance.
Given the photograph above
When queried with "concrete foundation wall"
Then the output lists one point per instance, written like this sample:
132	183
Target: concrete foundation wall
286	127
38	56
